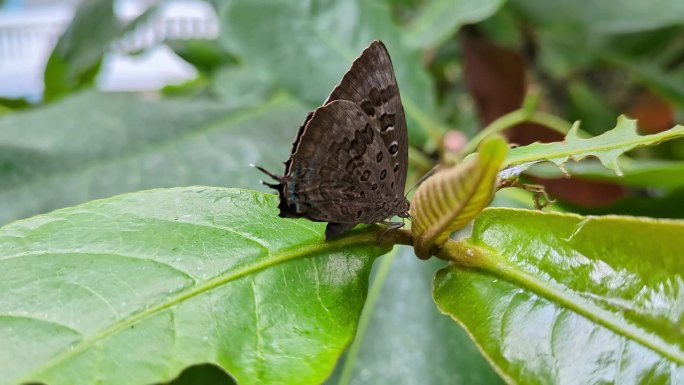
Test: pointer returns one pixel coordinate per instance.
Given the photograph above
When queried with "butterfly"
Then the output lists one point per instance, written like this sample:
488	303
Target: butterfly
349	160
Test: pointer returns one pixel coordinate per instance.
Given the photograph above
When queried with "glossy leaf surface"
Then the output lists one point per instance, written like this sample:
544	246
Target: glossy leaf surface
163	279
591	299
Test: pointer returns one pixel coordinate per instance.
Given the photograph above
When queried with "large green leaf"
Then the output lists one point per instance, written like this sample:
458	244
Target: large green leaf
567	299
439	19
306	47
134	288
405	340
96	145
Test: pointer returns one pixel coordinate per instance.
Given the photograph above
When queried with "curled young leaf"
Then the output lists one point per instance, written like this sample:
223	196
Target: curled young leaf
450	199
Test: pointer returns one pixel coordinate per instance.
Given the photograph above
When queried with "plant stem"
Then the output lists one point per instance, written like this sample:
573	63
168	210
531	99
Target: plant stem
395	237
419	159
516	117
433	128
466	255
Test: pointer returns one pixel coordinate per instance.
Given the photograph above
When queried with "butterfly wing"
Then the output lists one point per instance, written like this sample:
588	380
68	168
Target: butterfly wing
371	84
350	156
340	170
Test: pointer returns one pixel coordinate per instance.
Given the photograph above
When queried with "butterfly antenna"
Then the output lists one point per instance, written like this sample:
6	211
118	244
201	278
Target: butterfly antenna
272	175
422	179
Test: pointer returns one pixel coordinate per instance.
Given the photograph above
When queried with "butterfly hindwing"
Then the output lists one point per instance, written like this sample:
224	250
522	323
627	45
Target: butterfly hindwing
340	170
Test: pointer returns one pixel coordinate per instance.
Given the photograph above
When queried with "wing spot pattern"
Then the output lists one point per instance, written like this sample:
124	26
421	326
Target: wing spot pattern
365	176
393	148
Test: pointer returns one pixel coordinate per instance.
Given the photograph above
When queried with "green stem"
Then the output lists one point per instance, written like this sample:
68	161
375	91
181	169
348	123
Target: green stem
433	128
514	118
419	159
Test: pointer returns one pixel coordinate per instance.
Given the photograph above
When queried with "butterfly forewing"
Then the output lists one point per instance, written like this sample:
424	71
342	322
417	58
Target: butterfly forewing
370	83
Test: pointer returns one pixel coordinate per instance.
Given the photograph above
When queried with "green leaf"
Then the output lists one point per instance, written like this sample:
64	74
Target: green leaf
666	83
402	326
76	58
560	298
607	147
440	19
306	47
450	199
635	173
590	108
134	288
607	16
96	145
241	86
206	56
666	204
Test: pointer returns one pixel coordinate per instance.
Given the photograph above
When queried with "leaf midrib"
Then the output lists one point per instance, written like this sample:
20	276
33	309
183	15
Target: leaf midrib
578	305
285	256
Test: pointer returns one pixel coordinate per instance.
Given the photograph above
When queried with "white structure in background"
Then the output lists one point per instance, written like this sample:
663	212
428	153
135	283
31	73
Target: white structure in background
29	32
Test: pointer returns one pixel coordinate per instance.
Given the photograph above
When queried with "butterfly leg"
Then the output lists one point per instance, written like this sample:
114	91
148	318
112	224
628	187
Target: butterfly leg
390	226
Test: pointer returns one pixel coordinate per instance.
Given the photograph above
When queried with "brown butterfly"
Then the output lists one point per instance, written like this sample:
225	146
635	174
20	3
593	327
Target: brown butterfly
349	160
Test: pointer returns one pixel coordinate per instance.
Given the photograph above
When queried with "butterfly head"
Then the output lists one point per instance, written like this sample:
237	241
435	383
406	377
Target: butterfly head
403	206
